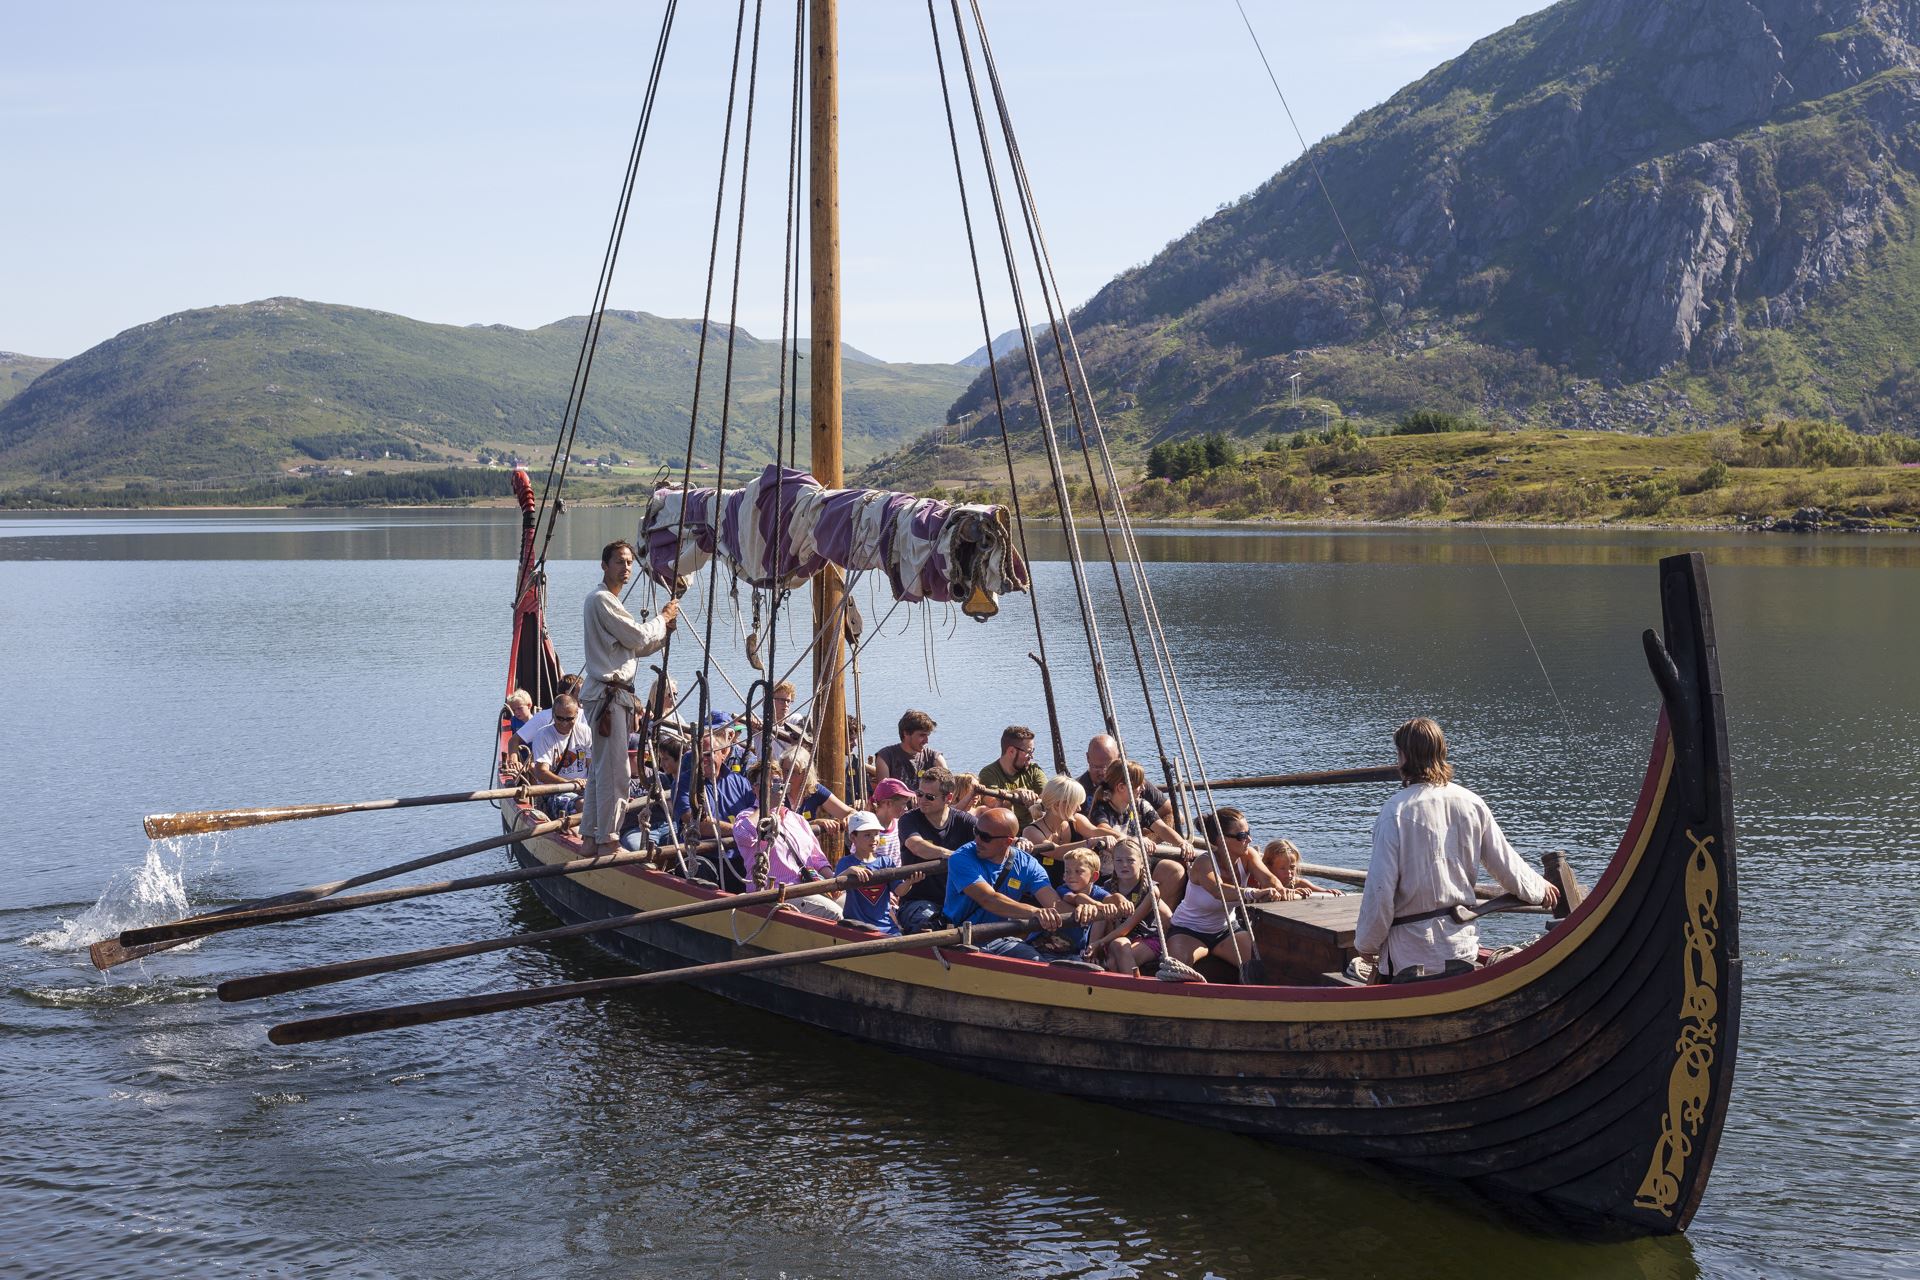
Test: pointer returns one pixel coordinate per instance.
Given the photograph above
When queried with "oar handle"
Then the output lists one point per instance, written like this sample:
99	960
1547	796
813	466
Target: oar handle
394	1017
161	826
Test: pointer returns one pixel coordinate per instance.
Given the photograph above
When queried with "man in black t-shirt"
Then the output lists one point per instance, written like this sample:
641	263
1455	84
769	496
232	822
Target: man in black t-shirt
933	830
1101	753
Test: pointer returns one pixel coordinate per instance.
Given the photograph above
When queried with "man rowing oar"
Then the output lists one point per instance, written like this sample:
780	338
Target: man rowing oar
615	643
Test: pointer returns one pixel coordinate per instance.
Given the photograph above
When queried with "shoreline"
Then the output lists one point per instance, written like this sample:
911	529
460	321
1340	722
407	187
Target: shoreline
1253	524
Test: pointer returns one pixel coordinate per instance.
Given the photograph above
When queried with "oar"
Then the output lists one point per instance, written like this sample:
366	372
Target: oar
269	984
161	825
394	1017
1325	778
109	952
200	926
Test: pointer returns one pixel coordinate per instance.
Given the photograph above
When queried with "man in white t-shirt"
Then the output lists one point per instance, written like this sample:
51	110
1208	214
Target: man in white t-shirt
1427	841
562	752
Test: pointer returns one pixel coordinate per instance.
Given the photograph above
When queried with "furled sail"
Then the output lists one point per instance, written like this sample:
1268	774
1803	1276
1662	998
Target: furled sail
786	523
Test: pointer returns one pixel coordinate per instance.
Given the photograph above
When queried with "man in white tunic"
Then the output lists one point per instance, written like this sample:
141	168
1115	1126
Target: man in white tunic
1427	842
615	643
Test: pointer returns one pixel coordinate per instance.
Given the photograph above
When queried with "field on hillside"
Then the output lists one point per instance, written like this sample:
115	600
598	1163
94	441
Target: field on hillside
1731	476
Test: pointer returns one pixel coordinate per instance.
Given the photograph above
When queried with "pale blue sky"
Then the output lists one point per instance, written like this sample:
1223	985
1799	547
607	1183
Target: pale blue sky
459	162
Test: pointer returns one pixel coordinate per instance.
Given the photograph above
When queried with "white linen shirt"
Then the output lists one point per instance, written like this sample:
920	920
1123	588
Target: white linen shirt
1426	844
615	641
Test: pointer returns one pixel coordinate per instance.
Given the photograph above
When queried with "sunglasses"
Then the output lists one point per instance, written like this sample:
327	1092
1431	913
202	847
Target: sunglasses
1237	835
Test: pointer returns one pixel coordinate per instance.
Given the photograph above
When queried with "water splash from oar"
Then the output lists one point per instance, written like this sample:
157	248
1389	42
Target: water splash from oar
151	893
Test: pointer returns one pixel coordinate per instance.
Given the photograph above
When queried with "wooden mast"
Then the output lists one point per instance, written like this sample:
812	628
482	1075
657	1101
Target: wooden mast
823	179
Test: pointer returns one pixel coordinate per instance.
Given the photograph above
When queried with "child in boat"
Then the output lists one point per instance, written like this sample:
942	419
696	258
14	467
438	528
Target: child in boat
1282	858
1128	944
1077	888
965	787
870	904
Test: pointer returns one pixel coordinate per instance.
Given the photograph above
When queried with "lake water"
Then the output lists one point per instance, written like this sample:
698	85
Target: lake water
180	661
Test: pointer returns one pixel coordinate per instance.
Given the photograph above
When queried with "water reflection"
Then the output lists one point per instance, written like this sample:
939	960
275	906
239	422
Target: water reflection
475	533
217	659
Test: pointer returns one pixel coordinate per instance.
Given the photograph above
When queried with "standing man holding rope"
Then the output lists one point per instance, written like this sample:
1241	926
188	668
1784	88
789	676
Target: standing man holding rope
615	643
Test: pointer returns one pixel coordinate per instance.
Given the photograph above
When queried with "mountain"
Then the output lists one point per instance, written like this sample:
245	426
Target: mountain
238	392
16	371
1006	342
1628	214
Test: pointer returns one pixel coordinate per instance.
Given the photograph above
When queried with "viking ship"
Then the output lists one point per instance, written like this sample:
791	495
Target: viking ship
1584	1078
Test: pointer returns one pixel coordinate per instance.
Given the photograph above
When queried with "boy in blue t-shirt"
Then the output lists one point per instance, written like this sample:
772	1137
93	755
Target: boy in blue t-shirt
1078	871
870	903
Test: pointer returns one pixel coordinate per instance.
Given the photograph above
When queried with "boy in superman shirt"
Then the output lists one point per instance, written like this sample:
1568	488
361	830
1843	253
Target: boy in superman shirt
870	904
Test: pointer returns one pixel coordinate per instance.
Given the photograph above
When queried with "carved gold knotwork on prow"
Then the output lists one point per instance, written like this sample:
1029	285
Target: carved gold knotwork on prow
1691	1082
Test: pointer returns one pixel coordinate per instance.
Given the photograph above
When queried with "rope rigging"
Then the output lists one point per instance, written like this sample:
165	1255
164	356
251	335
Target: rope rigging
550	504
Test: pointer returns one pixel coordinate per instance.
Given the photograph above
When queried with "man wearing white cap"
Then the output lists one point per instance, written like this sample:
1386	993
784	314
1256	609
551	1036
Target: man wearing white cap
869	903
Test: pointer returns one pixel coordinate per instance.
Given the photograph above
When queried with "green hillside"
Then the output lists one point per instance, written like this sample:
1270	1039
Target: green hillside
16	371
243	392
1629	215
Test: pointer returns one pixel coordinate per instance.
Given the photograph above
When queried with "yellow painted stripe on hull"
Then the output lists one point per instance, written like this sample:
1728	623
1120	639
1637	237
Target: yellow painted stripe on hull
1152	998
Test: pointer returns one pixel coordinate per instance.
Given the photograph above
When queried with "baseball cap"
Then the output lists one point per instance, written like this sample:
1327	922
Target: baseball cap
892	789
863	821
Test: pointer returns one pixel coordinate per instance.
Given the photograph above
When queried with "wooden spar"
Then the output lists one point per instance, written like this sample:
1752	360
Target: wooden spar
393	1017
823	184
1324	778
269	984
109	952
160	826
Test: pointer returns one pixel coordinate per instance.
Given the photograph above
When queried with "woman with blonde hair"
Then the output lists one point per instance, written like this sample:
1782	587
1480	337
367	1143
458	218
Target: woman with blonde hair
1059	821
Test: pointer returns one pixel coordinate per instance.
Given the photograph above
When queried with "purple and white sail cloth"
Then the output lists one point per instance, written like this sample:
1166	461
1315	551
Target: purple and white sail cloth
784	522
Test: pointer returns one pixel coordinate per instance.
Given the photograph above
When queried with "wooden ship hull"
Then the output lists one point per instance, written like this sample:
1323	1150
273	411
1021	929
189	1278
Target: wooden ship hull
1584	1079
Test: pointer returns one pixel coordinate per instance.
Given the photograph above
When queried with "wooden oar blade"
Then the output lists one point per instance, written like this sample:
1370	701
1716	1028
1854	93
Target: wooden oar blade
163	826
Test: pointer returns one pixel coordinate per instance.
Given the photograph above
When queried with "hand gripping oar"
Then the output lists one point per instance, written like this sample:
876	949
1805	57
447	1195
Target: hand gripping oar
159	826
109	952
394	1017
269	984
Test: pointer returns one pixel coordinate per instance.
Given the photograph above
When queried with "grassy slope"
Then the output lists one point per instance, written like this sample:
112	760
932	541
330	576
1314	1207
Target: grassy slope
1525	476
16	371
220	394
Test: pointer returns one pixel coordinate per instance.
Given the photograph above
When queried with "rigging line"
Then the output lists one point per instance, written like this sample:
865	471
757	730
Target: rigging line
787	291
733	325
1162	651
706	317
1030	217
1082	595
993	363
583	365
1306	152
1157	643
1527	631
1018	169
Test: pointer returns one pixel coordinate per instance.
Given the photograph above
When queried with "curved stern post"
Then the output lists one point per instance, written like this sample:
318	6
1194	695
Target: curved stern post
1702	919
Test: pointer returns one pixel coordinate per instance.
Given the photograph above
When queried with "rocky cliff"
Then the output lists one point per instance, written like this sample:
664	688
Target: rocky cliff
1647	214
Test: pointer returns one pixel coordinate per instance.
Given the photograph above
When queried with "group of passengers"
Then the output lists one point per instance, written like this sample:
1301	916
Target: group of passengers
1095	871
